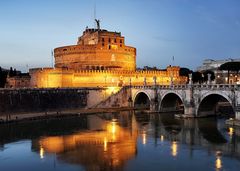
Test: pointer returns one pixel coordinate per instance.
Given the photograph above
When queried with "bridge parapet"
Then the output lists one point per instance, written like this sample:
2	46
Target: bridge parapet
195	86
167	87
217	86
177	86
142	87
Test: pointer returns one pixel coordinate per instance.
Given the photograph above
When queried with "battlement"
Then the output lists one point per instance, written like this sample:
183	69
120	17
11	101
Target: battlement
64	77
101	31
86	48
108	72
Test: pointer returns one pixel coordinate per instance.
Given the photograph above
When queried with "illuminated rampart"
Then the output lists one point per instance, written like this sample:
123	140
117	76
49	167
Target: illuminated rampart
59	77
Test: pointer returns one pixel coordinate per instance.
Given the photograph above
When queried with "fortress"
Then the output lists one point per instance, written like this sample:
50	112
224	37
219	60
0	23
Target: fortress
100	59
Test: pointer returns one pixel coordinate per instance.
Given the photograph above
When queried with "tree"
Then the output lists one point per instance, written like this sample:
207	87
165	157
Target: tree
14	72
230	66
197	77
185	72
205	75
10	73
3	76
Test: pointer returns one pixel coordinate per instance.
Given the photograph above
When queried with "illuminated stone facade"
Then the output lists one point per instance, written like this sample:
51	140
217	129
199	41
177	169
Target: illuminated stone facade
97	50
99	59
19	81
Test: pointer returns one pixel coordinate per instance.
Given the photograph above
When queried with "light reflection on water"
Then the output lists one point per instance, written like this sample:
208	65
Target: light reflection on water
124	141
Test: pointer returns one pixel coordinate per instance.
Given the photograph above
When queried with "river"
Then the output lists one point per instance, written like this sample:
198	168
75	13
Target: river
120	141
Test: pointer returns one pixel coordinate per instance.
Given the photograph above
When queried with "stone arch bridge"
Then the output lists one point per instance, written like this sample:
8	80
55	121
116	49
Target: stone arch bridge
194	100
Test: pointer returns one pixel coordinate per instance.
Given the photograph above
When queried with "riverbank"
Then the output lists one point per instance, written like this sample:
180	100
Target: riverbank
21	117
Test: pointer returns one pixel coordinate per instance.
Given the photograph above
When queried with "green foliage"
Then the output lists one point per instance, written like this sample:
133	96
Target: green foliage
197	77
185	72
205	75
3	77
230	66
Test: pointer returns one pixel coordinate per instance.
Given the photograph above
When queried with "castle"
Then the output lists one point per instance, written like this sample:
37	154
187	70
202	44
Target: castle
100	59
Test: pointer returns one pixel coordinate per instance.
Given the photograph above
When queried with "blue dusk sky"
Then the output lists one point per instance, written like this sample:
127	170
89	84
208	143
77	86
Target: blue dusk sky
189	30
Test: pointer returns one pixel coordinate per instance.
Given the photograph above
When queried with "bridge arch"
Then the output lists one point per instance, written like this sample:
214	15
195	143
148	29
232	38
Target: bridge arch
142	99
172	126
171	101
212	104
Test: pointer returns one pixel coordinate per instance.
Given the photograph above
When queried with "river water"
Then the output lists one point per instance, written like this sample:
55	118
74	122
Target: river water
120	141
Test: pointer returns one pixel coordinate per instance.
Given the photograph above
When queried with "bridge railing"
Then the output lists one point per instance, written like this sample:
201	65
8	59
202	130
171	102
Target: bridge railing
195	86
174	86
217	86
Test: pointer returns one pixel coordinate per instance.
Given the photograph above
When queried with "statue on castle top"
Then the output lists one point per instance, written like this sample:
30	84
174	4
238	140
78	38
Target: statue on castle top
98	23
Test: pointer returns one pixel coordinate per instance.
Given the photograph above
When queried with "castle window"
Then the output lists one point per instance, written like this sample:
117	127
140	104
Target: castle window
102	67
64	49
120	40
102	44
115	40
97	68
109	47
109	40
102	39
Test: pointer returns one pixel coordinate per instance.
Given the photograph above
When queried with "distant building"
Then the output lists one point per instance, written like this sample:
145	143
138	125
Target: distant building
210	64
100	58
19	81
221	77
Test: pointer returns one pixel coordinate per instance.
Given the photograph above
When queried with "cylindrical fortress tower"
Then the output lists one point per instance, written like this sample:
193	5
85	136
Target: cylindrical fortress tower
97	49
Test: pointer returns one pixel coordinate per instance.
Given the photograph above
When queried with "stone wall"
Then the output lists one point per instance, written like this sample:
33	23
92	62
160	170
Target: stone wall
111	57
118	99
57	77
43	100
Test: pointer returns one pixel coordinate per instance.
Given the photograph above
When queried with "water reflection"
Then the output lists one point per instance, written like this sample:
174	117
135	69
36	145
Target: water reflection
144	139
218	161
209	130
106	148
112	141
41	152
230	132
161	138
174	148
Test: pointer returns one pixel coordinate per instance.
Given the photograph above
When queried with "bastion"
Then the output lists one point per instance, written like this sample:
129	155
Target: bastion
99	59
